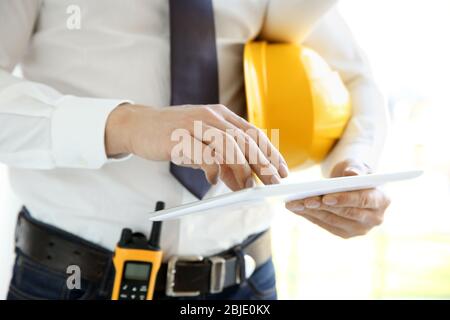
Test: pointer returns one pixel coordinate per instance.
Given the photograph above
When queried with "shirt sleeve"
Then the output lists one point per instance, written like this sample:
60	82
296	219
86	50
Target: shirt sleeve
366	131
292	20
42	128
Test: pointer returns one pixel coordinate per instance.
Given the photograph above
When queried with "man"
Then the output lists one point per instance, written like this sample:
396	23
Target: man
87	137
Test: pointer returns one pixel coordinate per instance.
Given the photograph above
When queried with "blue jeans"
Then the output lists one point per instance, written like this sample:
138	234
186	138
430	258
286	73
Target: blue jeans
33	281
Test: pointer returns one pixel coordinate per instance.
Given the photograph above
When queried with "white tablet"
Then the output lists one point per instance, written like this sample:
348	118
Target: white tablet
285	192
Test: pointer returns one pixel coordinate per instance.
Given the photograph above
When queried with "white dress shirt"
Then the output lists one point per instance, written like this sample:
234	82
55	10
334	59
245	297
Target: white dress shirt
52	119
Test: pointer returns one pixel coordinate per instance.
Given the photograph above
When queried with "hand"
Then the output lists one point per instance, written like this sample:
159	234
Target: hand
147	132
345	214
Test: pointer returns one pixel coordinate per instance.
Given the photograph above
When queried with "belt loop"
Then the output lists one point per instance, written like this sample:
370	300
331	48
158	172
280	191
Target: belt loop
18	225
240	265
17	231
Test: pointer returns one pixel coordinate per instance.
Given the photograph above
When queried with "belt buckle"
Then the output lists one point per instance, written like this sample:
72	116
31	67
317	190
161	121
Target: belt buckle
217	277
171	270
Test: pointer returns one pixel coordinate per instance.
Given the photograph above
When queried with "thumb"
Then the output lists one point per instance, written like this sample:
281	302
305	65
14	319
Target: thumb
350	167
212	172
352	171
356	169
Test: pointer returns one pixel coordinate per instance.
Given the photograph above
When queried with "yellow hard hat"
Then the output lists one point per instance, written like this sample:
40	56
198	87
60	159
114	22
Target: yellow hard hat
291	88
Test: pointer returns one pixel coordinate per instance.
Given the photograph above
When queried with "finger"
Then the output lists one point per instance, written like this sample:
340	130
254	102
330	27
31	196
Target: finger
368	198
258	136
295	205
269	151
301	204
336	231
312	202
211	170
350	167
231	154
365	216
262	166
351	226
227	176
217	170
356	169
258	162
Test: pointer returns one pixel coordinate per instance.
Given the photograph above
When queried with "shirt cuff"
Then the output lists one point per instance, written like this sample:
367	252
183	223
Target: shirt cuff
78	131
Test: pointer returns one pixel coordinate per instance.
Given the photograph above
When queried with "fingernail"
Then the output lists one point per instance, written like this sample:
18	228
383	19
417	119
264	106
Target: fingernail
294	206
312	204
250	183
275	180
354	170
284	171
329	200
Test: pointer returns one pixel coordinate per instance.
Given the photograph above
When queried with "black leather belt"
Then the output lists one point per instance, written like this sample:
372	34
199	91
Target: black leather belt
180	276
